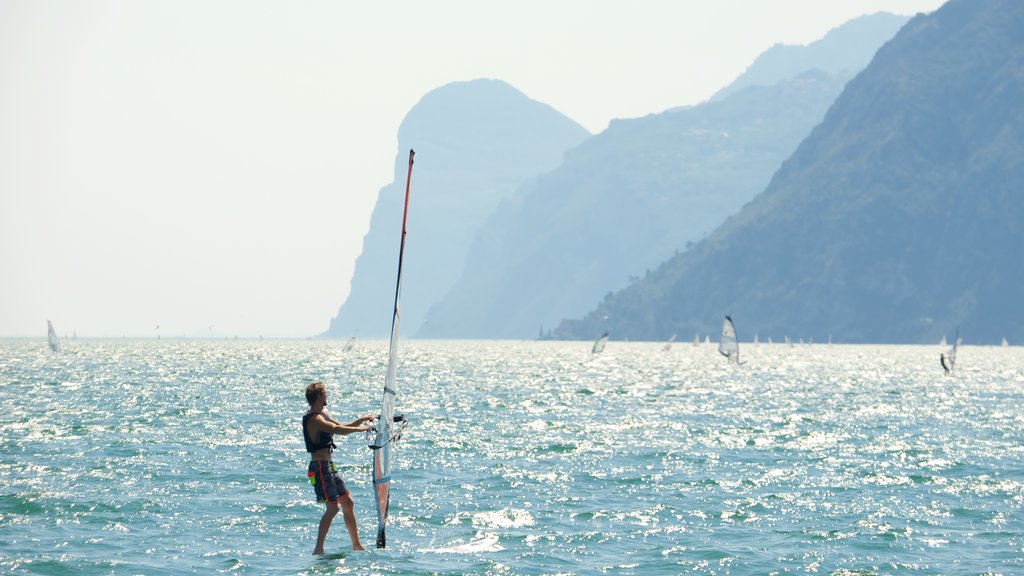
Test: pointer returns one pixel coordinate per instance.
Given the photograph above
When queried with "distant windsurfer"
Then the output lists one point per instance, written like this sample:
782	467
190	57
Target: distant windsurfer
942	360
318	430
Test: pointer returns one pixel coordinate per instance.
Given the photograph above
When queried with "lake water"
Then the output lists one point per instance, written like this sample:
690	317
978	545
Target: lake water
186	457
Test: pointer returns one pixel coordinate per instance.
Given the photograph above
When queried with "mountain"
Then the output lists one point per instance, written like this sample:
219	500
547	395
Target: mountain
623	202
475	143
843	51
899	218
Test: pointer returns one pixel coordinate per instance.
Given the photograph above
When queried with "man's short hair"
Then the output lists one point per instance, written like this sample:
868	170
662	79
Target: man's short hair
314	390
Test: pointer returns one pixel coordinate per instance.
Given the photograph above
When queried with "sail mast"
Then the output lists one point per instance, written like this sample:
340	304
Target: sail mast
385	427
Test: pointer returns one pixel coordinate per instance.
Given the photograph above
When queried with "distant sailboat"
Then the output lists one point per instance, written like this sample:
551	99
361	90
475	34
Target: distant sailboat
1005	343
599	343
351	342
668	345
948	360
51	335
728	346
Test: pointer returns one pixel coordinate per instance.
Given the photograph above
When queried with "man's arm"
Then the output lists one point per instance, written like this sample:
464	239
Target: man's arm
359	421
323	425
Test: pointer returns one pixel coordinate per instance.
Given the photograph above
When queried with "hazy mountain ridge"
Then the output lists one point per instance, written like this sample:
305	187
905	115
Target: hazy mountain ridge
898	219
476	143
844	50
624	201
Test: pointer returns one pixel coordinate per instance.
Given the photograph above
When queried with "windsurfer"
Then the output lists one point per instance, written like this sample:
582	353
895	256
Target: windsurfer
942	360
318	430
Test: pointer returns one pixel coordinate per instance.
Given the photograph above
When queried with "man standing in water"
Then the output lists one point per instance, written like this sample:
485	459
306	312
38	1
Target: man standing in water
318	430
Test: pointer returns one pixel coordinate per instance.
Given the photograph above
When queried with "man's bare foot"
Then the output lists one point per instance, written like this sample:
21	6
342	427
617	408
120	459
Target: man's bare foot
358	547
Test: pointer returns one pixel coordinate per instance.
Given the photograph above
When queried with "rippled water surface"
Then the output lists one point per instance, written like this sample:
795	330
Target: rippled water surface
181	457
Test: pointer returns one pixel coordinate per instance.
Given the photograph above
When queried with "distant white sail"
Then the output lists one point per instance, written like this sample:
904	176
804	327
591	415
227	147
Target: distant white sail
668	345
728	346
51	335
599	343
948	359
351	342
952	354
1005	343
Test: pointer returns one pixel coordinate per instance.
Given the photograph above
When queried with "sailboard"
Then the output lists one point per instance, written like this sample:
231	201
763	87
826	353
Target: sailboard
950	359
389	426
51	336
351	341
668	345
599	343
728	346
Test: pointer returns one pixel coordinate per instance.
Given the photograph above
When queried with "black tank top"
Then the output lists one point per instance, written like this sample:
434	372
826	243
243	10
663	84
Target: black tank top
326	440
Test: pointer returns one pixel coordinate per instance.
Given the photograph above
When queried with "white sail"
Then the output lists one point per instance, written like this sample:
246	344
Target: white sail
948	359
728	346
668	345
351	342
599	343
51	336
385	430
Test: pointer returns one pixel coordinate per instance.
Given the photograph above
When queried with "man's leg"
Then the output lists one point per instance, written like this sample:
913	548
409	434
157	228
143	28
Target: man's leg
348	512
325	525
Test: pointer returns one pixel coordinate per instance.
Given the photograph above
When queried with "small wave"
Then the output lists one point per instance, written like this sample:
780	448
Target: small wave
508	518
480	543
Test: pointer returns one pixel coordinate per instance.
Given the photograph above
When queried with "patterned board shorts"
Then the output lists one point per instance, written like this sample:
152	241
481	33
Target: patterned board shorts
325	480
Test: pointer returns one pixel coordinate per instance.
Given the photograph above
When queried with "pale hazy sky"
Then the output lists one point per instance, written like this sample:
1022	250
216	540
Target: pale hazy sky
210	167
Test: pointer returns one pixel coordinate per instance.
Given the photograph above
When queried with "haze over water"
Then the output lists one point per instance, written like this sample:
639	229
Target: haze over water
181	457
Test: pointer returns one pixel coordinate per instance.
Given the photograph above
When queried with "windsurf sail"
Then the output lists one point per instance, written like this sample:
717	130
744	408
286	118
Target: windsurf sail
599	343
668	345
727	344
389	425
351	342
51	335
950	364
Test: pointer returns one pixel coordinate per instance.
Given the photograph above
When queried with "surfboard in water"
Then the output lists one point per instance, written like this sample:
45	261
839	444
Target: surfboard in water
389	425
